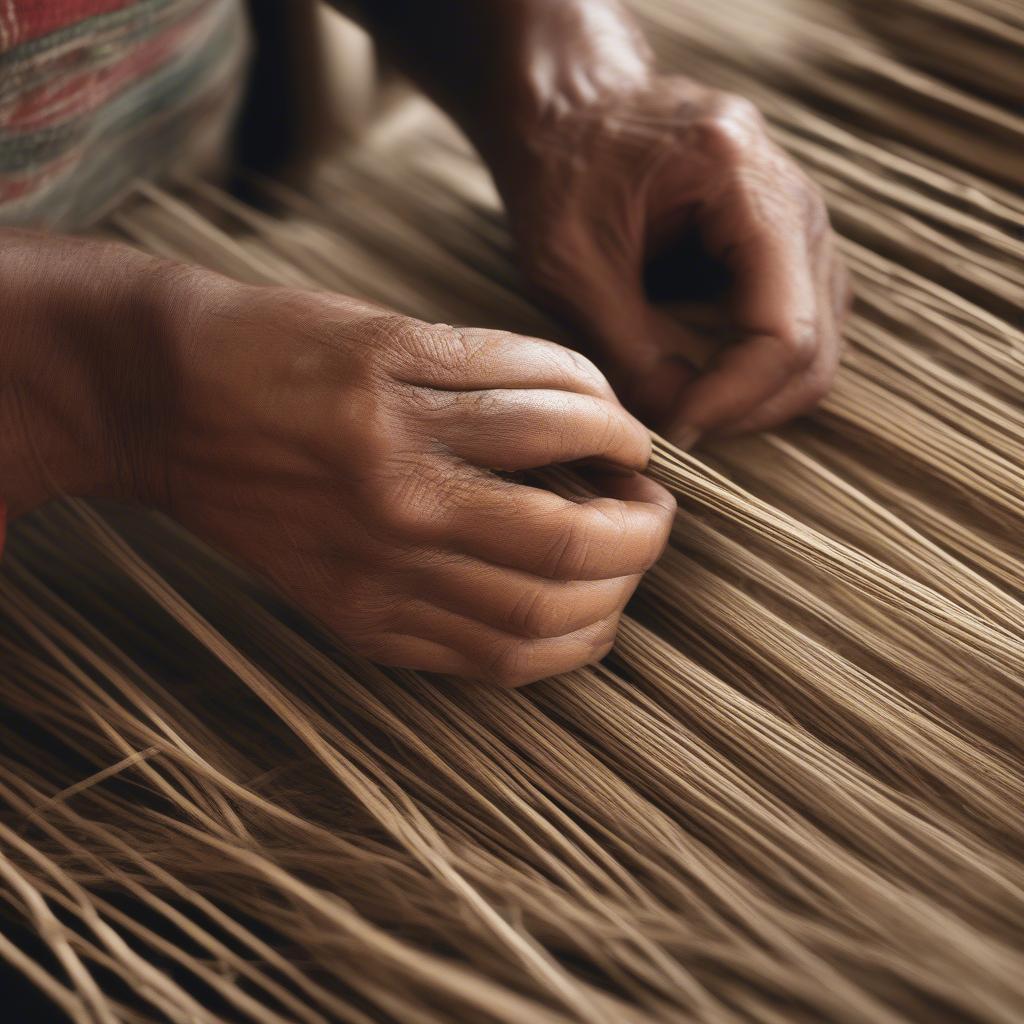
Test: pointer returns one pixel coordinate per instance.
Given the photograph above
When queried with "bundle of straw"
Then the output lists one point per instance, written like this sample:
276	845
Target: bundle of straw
793	793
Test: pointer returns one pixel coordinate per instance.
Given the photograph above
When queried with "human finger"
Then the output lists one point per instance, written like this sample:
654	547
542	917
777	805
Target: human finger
504	659
777	311
515	430
546	535
632	487
802	393
767	227
475	359
522	604
797	398
417	653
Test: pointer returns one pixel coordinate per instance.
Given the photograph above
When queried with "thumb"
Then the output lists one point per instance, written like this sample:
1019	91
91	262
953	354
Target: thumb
653	389
648	356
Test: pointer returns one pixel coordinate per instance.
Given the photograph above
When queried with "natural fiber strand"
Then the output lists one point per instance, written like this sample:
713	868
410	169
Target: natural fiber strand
795	791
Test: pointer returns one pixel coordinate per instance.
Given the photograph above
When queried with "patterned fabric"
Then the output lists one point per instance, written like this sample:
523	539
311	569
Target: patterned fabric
97	93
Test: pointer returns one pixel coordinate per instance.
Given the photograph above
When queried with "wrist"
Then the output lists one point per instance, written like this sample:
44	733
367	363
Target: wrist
48	415
504	67
571	58
87	374
571	64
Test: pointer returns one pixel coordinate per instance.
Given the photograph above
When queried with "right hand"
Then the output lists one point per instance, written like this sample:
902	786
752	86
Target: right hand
346	453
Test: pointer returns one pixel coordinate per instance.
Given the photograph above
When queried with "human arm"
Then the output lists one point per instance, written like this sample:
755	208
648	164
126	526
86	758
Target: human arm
341	450
603	165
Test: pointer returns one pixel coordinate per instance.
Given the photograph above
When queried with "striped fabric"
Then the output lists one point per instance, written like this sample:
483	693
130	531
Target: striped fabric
97	93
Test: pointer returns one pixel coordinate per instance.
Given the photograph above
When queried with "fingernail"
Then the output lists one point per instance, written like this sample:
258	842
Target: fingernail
684	437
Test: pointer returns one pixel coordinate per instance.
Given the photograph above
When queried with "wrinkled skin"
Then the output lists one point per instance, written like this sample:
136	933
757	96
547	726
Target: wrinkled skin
609	187
342	451
604	164
346	453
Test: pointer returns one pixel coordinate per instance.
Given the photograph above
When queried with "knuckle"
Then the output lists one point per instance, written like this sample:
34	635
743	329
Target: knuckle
731	127
799	344
410	505
741	110
389	331
407	520
584	371
724	139
600	652
612	517
364	417
570	551
416	343
613	430
801	196
485	404
817	208
369	607
509	666
435	407
540	613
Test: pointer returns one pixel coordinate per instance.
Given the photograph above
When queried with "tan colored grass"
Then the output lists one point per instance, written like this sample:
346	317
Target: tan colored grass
795	791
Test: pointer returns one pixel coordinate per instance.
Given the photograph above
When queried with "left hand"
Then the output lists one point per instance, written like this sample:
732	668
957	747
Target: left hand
600	189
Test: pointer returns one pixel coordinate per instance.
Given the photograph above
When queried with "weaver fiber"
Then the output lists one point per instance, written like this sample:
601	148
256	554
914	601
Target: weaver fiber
795	790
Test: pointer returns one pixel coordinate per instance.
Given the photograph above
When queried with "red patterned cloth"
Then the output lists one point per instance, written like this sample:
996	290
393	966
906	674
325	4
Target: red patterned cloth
30	19
95	94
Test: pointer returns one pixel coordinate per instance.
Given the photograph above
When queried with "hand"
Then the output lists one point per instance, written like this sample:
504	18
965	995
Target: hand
669	168
346	453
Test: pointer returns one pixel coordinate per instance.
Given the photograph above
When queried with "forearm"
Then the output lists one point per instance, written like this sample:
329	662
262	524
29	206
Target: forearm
86	374
502	67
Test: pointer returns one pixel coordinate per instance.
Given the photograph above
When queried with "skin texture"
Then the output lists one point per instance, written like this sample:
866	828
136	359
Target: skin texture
603	165
348	454
612	186
342	451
